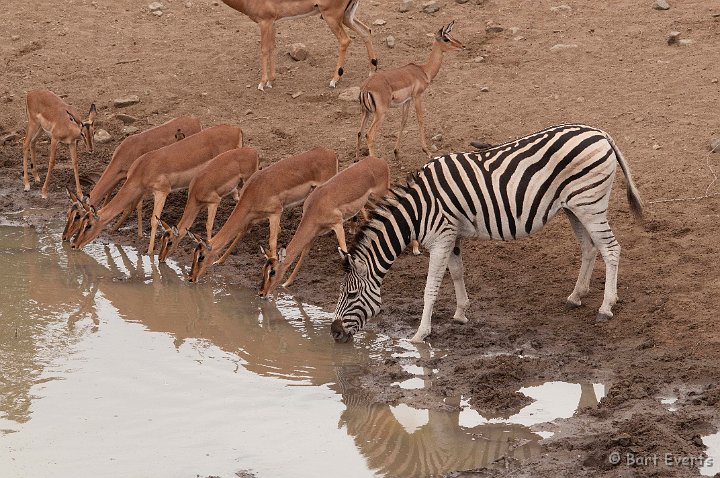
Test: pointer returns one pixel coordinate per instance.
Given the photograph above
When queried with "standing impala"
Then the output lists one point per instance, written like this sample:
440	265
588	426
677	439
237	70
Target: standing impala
325	209
159	172
218	178
281	185
124	156
396	87
47	111
335	12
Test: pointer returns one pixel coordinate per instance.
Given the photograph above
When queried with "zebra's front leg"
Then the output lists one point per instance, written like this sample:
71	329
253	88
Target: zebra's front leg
439	255
457	271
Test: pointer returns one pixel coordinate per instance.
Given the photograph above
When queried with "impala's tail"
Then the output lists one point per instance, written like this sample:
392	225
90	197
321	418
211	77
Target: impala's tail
633	195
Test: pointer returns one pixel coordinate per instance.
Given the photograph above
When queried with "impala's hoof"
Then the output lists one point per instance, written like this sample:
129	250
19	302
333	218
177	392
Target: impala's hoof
333	83
261	87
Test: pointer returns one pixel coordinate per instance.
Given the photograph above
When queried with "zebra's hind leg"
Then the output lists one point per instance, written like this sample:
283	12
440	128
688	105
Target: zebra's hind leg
588	254
603	238
455	266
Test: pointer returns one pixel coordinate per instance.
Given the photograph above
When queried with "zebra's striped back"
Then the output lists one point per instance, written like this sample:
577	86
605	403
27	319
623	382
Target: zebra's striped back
505	192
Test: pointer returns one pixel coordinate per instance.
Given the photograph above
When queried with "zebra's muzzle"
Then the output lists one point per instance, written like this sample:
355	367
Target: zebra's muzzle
338	332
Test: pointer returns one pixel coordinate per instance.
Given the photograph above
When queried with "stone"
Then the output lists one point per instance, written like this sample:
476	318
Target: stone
215	3
350	94
127	101
673	38
390	40
156	6
656	146
188	4
685	42
513	30
379	22
128	130
437	138
562	46
714	81
492	27
298	51
102	136
9	138
296	94
477	59
484	89
126	119
661	5
461	1
715	145
15	37
561	9
430	7
158	13
406	6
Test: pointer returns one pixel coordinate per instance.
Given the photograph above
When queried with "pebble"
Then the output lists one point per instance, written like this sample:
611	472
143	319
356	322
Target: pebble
513	30
127	130
158	13
561	9
298	51
714	80
127	101
10	137
390	40
15	37
461	1
406	6
661	5
430	7
484	89
155	6
562	46
437	138
188	4
215	3
656	146
102	136
379	22
673	38
492	27
127	119
477	59
518	38
350	94
296	94
684	41
715	145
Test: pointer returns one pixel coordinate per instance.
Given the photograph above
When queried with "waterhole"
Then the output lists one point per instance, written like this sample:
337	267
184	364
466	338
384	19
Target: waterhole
113	365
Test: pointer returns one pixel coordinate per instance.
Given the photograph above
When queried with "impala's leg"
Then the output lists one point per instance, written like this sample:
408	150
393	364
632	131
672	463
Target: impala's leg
273	57
364	31
266	40
76	168
51	165
121	221
212	211
235	195
295	271
336	26
378	118
230	248
138	208
160	197
33	155
439	256
421	123
340	233
455	266
274	232
33	131
403	121
363	123
589	254
105	200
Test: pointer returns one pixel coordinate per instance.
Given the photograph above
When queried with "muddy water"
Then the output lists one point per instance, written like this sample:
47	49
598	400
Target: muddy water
111	365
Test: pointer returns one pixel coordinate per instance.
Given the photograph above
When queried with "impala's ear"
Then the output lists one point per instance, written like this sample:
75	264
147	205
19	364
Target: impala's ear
73	197
164	225
262	251
92	114
448	28
175	231
93	211
86	200
282	253
73	118
194	237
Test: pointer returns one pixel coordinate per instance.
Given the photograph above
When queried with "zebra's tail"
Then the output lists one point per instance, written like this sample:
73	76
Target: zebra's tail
633	195
367	101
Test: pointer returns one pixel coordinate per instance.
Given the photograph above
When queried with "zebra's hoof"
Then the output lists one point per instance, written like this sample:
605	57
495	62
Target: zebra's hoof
460	320
602	317
572	304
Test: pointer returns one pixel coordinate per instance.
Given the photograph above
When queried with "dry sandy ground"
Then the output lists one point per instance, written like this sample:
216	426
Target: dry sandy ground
660	103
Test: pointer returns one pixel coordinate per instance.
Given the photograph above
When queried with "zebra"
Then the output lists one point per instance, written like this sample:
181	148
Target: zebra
505	192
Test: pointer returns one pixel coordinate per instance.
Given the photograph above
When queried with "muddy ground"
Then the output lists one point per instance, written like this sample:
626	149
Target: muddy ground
659	101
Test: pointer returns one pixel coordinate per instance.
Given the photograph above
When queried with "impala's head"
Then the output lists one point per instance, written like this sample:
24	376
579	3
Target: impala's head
359	298
87	130
202	257
168	241
446	41
88	229
74	214
271	271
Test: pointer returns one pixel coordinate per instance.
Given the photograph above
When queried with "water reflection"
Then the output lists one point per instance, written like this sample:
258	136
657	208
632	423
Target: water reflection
229	361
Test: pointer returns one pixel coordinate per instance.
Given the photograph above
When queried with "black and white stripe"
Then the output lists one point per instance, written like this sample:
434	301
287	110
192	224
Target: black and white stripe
505	192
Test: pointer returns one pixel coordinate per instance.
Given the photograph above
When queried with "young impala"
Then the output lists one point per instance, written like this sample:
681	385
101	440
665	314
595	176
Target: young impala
47	111
281	185
336	13
218	178
124	156
159	172
396	87
325	209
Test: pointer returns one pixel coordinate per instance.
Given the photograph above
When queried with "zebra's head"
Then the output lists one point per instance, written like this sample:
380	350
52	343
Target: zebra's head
359	298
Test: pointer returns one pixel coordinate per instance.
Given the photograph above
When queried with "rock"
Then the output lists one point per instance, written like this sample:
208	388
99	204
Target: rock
128	130
298	51
390	40
215	3
562	46
477	59
714	80
158	13
406	6
296	94
484	89
430	7
127	101
102	136
683	41
350	94
513	30
518	38
561	9
156	6
715	145
673	38
461	1
188	4
437	138
661	5
15	37
9	138
656	146
379	22
127	119
492	27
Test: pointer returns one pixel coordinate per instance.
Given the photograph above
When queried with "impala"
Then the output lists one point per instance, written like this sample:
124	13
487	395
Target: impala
337	13
159	172
123	157
396	87
324	210
218	178
281	185
47	112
